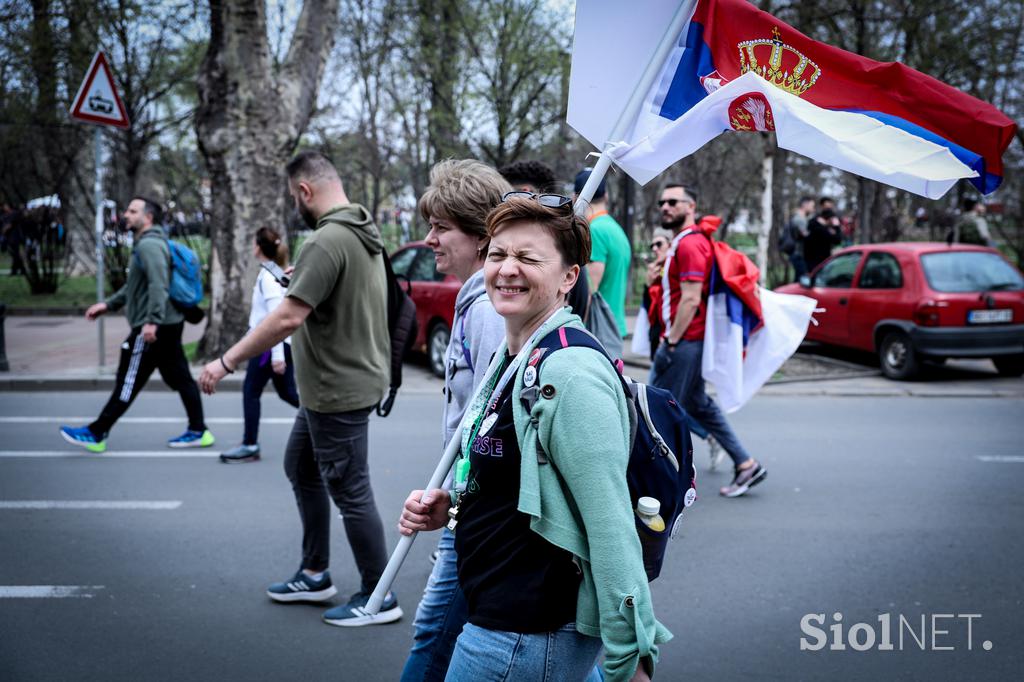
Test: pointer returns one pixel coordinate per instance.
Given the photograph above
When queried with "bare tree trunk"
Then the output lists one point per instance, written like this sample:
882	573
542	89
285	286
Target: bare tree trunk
766	212
780	158
248	122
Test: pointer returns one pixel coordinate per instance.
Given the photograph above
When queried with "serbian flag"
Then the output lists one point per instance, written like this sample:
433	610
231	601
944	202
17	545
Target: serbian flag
724	65
749	331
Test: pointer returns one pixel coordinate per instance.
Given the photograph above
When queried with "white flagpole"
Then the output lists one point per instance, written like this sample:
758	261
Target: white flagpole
626	118
405	542
632	109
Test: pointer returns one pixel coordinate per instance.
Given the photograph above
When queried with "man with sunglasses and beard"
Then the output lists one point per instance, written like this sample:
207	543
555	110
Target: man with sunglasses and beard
677	362
335	310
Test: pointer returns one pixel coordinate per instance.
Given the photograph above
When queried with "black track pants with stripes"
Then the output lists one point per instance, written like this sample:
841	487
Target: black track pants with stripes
138	360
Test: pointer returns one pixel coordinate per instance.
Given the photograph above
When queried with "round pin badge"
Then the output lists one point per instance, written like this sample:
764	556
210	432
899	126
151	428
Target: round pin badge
530	376
690	497
487	424
675	527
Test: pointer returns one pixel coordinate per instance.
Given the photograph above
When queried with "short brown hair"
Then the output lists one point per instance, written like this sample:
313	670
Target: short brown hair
570	231
465	191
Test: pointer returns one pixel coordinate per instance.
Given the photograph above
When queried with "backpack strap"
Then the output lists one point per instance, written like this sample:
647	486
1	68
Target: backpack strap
564	337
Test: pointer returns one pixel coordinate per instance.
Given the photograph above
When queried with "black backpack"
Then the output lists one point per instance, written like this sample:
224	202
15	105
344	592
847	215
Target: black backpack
661	458
402	328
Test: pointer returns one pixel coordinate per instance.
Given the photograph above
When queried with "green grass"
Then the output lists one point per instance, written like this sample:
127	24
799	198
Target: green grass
190	350
72	292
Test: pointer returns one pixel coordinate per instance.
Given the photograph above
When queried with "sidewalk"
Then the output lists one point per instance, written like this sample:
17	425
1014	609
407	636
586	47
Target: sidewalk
62	353
55	353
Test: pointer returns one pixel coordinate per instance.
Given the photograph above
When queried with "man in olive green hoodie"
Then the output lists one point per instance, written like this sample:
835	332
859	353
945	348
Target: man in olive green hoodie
335	310
155	339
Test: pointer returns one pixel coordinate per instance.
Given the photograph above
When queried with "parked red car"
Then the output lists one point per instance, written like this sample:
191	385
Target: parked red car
916	301
434	295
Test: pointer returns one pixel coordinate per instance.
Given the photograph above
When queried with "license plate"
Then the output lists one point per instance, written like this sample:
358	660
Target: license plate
989	316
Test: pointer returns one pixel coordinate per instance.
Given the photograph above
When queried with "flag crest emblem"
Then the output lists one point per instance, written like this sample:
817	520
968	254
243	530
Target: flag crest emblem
780	64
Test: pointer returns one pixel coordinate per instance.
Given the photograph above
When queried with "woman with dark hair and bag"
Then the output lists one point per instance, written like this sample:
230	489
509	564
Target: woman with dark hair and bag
274	365
549	559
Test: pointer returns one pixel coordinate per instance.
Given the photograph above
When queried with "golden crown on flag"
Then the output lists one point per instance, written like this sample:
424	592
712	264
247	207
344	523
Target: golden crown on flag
781	65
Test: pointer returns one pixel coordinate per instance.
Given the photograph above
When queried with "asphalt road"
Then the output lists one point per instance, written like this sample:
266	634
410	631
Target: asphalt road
903	506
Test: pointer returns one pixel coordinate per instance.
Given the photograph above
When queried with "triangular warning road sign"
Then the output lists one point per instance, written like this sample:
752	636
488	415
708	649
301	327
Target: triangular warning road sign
97	100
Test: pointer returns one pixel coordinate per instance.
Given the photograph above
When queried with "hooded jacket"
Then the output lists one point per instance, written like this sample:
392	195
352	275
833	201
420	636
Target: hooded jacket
477	331
144	296
342	350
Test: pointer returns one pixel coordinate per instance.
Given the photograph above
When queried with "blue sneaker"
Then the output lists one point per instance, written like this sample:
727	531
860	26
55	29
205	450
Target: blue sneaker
353	614
303	588
192	439
83	437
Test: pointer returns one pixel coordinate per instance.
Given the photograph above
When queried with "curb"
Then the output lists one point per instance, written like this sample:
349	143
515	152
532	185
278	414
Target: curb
105	383
849	369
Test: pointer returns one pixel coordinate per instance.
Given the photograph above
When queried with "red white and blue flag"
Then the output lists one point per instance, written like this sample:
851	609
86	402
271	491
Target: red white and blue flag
733	67
749	332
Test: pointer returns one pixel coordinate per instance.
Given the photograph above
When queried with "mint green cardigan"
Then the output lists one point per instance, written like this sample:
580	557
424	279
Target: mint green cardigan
582	504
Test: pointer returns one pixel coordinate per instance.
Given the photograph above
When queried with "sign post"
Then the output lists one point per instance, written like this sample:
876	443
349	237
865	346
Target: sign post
97	102
98	198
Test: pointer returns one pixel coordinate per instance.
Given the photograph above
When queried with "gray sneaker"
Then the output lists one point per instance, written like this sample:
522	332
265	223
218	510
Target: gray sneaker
242	453
745	480
717	453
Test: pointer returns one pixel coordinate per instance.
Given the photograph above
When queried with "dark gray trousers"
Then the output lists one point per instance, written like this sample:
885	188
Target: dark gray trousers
327	454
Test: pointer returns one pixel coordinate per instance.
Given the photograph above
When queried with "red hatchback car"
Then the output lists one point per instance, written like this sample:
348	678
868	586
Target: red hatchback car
434	294
915	301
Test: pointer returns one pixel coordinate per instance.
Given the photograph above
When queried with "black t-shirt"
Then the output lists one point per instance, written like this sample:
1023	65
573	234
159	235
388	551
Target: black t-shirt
514	580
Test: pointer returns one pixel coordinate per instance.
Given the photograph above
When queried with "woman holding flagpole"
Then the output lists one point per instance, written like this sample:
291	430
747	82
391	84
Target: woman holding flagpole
548	556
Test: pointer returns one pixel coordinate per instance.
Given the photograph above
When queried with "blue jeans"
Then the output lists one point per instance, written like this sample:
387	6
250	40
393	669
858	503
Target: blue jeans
439	618
799	265
257	374
678	371
483	655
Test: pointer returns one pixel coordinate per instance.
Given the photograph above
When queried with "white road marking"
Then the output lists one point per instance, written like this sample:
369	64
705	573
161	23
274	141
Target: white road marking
139	420
47	591
1018	459
81	454
90	504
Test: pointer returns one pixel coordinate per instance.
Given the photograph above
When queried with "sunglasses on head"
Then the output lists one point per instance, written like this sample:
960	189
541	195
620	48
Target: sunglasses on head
548	200
672	202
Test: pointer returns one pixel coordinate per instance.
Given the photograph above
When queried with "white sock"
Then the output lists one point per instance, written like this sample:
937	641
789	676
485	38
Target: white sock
317	576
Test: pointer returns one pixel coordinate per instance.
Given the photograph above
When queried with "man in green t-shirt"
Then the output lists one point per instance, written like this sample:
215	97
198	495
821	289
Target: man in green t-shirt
335	310
610	253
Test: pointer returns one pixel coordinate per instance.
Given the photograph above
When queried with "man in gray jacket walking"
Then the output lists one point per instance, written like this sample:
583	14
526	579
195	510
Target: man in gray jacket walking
155	339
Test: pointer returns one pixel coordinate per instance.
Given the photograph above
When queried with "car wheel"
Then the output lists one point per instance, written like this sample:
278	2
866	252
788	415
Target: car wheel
1009	365
897	356
437	348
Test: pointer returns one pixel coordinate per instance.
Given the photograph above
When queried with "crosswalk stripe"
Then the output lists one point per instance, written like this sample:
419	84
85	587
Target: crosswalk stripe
152	505
140	420
80	454
48	591
1017	459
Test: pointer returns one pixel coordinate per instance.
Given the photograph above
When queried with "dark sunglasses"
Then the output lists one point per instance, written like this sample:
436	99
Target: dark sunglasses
672	202
658	245
548	200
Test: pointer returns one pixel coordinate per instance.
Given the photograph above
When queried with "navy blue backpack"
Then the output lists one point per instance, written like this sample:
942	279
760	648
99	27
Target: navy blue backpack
661	459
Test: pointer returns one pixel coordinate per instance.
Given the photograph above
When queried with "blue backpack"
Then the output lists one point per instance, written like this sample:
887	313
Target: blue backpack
186	280
661	458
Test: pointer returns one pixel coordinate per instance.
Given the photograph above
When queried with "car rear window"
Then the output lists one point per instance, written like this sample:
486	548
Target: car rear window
956	271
